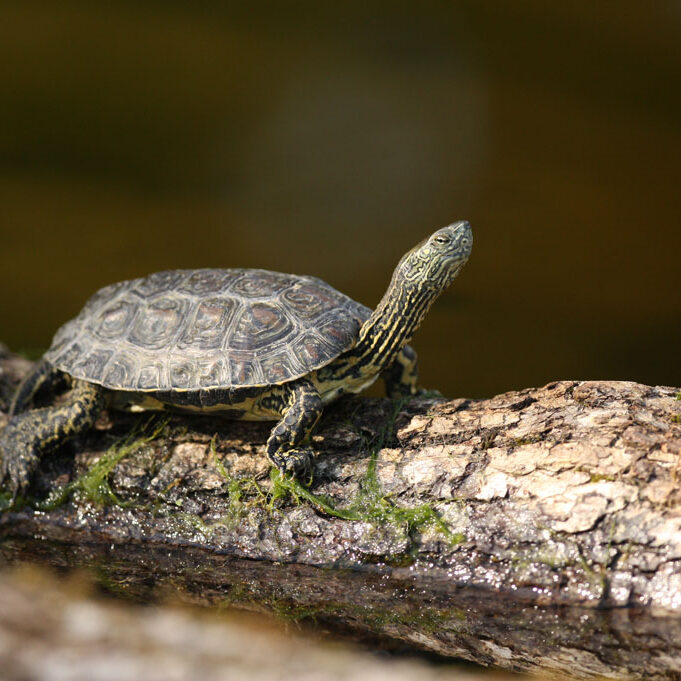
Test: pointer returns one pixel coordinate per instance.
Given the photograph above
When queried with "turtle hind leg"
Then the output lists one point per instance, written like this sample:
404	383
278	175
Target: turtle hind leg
29	435
42	377
300	406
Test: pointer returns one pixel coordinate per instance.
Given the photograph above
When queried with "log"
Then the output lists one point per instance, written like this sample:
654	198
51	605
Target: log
62	629
537	530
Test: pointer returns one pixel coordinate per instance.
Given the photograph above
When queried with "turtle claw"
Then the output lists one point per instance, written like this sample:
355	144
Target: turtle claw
18	461
294	462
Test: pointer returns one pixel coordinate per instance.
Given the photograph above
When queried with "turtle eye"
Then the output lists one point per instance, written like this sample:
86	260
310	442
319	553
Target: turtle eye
441	239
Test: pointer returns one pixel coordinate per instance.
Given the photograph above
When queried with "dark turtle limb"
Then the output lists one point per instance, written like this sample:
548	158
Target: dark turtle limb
402	376
43	377
27	436
301	407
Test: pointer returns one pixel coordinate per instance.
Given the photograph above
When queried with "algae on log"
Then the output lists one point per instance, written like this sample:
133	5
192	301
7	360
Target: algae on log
508	531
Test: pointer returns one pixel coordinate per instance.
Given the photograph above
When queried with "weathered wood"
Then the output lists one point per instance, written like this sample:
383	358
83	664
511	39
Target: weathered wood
508	531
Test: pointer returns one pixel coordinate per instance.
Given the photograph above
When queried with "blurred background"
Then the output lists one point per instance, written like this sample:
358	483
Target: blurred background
327	139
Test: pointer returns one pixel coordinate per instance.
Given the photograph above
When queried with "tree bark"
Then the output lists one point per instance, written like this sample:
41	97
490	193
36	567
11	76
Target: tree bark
510	531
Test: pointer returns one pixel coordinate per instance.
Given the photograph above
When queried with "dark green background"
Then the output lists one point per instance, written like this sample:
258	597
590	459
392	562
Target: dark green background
328	138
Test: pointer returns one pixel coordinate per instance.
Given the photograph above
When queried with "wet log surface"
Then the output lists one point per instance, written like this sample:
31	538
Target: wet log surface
63	629
537	530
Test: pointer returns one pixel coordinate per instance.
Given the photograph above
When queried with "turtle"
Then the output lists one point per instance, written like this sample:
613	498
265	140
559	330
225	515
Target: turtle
243	343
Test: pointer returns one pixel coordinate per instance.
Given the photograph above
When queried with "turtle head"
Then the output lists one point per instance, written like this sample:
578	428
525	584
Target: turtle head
433	264
419	278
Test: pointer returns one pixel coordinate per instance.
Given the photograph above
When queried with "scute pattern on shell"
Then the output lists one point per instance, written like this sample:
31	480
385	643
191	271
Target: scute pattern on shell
207	328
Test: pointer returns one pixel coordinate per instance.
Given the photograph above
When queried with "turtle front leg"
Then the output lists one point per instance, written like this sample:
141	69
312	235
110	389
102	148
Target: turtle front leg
402	376
29	435
301	406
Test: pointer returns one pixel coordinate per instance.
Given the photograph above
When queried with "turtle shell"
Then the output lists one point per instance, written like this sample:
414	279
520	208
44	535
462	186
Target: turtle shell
207	328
